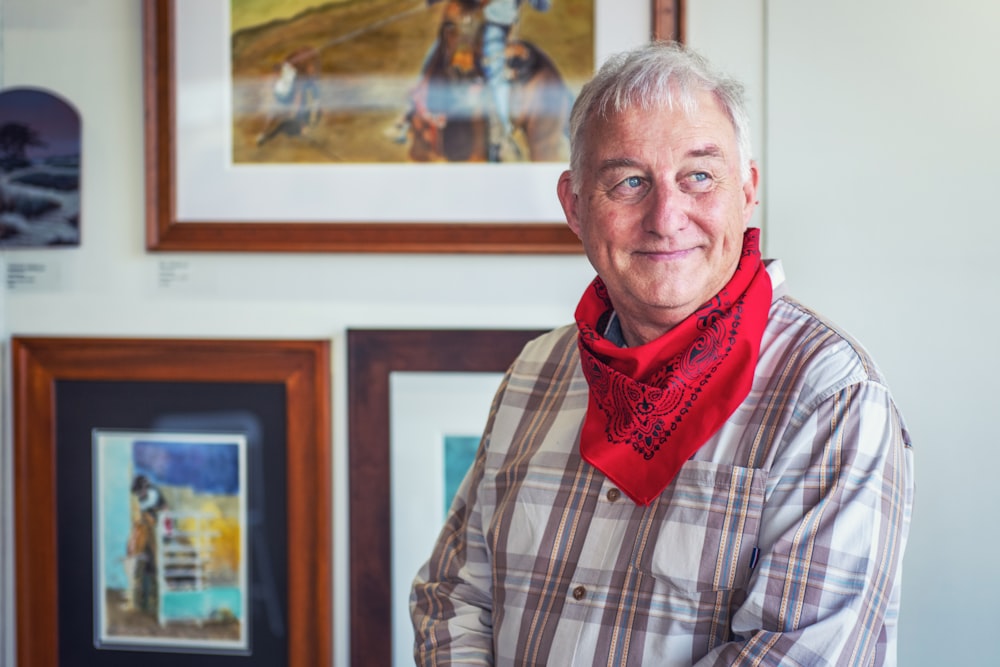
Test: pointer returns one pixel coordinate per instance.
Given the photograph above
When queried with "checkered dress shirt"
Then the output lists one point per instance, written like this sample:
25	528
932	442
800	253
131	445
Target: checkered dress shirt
779	543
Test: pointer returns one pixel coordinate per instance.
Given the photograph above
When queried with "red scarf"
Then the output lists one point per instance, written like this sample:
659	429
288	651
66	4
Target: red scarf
651	407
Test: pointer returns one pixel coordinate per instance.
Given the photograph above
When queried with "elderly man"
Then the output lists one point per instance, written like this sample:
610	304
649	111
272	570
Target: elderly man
701	470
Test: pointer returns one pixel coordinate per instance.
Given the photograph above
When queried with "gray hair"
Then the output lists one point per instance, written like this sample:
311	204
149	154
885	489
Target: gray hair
656	74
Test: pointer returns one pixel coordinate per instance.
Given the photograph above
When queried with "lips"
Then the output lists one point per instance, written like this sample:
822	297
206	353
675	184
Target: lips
666	253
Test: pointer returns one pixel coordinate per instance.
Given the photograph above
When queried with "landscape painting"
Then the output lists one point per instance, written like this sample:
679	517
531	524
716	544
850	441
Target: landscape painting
170	541
39	170
406	81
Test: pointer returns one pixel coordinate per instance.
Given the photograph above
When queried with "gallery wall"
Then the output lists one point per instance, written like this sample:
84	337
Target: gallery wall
882	148
875	126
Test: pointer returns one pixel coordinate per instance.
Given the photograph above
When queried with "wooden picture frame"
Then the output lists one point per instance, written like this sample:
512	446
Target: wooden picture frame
373	355
167	231
668	20
286	382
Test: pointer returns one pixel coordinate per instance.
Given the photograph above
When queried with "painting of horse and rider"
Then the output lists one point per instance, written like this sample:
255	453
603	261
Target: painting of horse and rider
407	81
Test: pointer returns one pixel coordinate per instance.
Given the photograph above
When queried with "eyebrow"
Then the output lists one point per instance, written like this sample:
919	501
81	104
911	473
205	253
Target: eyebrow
612	165
710	150
706	151
617	163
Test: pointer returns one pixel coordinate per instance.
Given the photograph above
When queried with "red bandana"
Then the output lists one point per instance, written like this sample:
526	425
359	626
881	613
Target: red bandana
651	407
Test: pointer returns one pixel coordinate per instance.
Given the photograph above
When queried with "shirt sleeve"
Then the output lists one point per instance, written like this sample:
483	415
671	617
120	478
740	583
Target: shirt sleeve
451	597
826	583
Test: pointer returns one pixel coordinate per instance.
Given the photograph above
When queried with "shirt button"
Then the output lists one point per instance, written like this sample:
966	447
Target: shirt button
579	592
614	494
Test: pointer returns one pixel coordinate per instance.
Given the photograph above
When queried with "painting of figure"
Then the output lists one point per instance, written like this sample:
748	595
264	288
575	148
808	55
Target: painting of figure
406	81
170	522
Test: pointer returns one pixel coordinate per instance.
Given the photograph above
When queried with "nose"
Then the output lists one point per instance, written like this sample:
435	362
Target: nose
666	212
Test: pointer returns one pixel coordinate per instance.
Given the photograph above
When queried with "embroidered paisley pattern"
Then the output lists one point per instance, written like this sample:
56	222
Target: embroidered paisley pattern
645	414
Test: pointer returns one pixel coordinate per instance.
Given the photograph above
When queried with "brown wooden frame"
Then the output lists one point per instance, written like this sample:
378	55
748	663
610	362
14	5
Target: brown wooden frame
669	20
165	232
372	356
302	367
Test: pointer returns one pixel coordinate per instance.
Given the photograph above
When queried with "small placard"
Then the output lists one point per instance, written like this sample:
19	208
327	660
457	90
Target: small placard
182	276
32	277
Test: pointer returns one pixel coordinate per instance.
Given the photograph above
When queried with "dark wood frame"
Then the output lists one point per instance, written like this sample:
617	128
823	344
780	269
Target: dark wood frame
165	232
372	356
302	367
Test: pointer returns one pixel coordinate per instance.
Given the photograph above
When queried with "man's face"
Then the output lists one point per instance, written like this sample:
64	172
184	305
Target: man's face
661	211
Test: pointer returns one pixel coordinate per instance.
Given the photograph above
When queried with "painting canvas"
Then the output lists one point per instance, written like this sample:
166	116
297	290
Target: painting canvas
459	453
39	169
406	80
170	542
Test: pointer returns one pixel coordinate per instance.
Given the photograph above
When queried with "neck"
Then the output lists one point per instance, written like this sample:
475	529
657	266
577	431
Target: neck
637	332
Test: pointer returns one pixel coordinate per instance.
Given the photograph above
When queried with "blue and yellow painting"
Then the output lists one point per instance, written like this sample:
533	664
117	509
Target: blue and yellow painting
171	541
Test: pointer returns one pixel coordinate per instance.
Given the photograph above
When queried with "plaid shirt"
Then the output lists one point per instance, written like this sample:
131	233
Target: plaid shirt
779	543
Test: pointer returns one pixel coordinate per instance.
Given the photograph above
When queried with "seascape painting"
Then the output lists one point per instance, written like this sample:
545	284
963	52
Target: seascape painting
406	81
39	170
170	541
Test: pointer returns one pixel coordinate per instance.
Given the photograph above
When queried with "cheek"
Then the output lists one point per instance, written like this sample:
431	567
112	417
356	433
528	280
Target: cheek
591	222
609	222
725	221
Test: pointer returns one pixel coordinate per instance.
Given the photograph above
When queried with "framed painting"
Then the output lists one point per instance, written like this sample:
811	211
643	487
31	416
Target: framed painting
40	176
435	423
170	528
340	127
398	381
172	501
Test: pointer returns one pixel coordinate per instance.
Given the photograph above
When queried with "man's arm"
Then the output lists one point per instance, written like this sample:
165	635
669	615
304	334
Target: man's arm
451	600
825	588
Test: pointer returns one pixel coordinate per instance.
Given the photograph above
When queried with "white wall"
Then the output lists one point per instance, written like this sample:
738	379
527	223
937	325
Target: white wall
883	148
880	158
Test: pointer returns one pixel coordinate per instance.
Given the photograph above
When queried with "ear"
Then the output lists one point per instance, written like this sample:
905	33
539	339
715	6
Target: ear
750	187
568	199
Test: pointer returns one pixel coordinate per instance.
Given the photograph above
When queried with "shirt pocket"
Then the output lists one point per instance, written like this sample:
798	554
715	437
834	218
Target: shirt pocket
701	533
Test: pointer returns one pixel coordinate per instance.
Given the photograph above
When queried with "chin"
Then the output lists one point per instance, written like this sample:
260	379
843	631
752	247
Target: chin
673	299
665	309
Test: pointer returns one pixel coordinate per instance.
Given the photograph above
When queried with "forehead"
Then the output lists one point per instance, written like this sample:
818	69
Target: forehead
660	126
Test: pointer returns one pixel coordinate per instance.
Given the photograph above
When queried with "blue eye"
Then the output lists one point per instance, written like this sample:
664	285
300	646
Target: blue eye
633	181
700	176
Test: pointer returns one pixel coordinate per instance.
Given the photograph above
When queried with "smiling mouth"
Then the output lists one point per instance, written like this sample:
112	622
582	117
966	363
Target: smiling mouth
663	253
